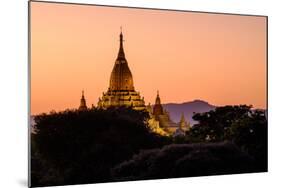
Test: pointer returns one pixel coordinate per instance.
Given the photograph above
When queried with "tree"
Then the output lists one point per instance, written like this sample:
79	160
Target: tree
250	133
83	146
185	160
213	125
239	124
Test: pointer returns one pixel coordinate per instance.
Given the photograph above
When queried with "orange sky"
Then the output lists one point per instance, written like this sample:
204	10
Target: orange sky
185	55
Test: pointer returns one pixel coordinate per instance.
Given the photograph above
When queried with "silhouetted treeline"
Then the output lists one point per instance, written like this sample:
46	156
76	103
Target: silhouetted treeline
73	147
242	125
90	146
185	160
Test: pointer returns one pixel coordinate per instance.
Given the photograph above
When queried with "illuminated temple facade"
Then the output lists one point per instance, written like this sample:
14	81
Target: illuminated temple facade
161	123
121	91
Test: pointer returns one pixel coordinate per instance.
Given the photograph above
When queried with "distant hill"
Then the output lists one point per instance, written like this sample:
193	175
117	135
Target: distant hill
176	109
188	108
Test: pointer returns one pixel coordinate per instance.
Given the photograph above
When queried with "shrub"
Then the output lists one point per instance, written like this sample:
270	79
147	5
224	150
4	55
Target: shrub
185	160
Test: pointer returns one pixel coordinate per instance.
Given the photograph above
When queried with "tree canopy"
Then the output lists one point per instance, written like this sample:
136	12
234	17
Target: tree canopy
185	160
83	146
240	124
89	146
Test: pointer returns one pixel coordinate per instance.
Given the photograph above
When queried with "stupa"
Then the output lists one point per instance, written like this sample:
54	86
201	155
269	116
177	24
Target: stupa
121	91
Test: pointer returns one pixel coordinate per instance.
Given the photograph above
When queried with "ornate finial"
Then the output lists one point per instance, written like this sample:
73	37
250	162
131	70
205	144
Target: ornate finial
83	105
121	34
121	54
157	101
83	94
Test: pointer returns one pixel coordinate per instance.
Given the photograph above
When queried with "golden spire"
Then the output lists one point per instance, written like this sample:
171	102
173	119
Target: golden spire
182	122
121	54
83	105
157	108
157	101
121	77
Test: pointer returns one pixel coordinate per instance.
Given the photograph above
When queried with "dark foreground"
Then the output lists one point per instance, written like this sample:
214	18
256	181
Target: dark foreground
94	146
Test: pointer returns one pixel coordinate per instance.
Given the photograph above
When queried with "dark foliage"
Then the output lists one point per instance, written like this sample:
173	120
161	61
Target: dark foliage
185	160
245	127
73	147
213	125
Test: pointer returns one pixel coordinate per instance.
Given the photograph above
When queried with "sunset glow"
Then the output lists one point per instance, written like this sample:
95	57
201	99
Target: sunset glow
217	58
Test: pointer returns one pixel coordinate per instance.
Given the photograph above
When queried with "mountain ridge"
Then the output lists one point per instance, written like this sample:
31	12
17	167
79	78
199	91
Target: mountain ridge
188	109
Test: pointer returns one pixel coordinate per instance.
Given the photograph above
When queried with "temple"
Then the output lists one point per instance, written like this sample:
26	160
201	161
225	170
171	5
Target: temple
160	120
83	105
183	127
121	91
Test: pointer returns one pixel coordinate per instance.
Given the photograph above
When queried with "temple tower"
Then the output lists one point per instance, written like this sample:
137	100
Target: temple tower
121	78
157	108
182	123
83	105
121	91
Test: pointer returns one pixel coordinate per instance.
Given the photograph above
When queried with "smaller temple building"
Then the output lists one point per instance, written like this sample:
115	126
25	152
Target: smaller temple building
161	122
83	105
